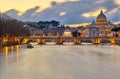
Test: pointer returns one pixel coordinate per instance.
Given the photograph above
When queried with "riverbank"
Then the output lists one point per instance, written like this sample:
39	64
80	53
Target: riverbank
8	41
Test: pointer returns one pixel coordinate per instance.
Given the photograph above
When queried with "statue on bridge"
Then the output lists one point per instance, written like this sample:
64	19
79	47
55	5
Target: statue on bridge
76	37
76	34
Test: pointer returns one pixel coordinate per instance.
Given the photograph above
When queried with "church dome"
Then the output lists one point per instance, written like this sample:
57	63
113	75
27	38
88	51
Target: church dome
101	15
101	19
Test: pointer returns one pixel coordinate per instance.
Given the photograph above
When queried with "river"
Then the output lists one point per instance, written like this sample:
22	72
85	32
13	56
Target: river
67	61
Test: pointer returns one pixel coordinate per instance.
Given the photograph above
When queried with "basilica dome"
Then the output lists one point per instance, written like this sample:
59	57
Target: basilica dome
101	19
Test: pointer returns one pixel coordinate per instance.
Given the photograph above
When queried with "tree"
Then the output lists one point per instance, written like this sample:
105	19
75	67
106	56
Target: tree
12	28
54	23
41	25
115	29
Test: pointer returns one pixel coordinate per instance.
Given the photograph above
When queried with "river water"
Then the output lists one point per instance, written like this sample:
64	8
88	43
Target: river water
67	61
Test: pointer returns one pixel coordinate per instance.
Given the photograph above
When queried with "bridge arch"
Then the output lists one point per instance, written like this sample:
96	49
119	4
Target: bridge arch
60	40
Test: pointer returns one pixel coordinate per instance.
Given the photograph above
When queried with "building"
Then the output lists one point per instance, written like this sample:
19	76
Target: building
99	28
101	19
104	25
90	32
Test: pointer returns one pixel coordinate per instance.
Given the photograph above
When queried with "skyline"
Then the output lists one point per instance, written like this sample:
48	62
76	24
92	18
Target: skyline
61	10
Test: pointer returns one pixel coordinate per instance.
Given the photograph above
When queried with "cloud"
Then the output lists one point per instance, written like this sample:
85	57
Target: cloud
13	13
77	11
114	14
27	15
94	13
73	0
117	2
99	1
53	3
62	14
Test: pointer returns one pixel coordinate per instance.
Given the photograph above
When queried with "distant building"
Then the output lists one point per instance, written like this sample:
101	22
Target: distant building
67	33
99	28
48	30
91	32
104	25
101	19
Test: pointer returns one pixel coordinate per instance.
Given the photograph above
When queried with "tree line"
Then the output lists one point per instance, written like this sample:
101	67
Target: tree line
43	24
12	27
116	29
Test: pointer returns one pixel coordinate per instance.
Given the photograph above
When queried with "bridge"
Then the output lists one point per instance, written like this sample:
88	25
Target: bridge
76	40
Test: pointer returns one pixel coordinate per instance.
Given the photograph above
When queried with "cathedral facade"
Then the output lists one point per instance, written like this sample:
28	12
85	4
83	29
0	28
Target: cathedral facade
100	27
104	25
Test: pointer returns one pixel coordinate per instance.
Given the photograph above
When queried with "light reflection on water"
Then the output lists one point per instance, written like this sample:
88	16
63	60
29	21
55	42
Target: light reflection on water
10	50
109	53
61	62
102	52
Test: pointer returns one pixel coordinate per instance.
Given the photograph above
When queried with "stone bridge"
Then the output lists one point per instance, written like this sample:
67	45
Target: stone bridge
77	40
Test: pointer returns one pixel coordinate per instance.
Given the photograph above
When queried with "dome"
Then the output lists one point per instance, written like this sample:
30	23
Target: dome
101	19
101	16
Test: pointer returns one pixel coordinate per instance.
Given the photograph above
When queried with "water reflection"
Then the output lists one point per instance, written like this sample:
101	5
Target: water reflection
98	52
104	53
17	52
6	54
64	61
10	50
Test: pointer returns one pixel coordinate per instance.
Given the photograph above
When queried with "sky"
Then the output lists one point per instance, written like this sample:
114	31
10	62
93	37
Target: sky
65	11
